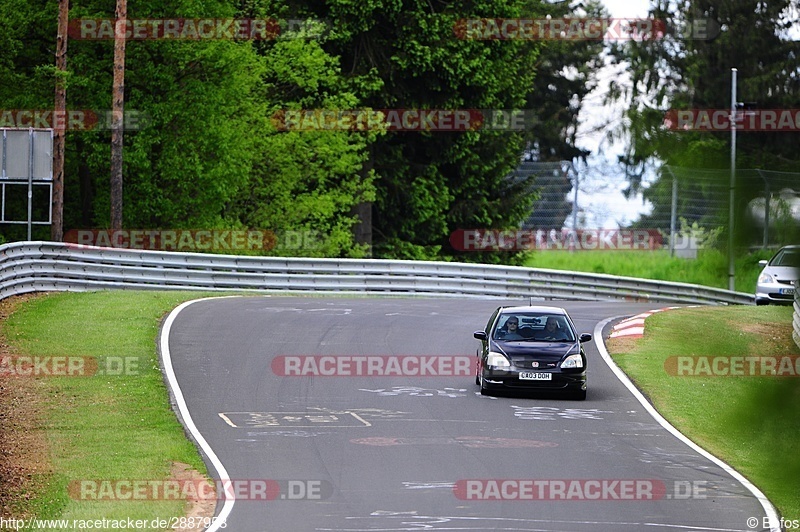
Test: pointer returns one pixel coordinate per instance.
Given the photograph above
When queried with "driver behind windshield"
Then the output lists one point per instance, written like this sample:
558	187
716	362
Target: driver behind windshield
509	330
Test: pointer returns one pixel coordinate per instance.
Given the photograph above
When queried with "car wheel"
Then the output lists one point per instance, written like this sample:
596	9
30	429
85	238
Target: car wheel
760	302
580	395
484	389
478	372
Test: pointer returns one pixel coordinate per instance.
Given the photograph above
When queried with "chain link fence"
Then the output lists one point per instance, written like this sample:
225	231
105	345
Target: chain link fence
682	203
554	183
697	201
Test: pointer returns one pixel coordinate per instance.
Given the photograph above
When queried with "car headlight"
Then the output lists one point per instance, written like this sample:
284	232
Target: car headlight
572	361
765	278
497	360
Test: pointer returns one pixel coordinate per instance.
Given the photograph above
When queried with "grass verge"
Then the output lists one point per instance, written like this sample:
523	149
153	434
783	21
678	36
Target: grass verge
750	422
709	269
102	427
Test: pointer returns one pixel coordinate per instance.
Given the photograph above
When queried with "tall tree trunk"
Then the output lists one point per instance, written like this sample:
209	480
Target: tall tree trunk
59	135
117	121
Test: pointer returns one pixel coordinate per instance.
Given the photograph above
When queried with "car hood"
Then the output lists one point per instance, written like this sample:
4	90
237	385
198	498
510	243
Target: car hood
783	273
528	350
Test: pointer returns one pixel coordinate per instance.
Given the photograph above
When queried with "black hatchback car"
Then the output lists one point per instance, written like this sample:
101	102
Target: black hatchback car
531	348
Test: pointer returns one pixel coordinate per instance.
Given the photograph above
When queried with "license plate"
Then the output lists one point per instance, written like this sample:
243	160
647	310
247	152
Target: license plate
787	291
530	376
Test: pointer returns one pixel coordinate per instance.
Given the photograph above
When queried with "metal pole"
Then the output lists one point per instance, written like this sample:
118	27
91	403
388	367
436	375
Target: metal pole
30	185
573	237
731	209
673	213
575	206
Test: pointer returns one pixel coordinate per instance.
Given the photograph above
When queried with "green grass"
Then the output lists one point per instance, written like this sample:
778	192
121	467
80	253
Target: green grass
752	423
103	427
709	269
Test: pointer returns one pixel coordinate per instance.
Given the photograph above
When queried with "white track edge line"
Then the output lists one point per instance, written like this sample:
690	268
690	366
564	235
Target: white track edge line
166	357
769	509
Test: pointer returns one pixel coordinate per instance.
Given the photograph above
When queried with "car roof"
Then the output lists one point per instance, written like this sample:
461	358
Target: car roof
540	309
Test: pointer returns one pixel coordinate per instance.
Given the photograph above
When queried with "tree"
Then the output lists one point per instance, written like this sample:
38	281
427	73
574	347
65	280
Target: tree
406	55
683	71
117	110
60	106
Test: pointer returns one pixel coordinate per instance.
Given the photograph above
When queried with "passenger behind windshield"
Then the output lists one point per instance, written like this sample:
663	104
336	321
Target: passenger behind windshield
553	331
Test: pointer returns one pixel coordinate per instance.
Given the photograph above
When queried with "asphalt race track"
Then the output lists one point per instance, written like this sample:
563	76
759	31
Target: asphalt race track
356	453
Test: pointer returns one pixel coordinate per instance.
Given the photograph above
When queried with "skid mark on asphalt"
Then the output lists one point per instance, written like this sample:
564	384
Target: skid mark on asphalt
548	413
292	419
473	442
414	391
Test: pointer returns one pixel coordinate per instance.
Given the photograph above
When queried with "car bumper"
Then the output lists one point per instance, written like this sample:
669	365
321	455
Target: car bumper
774	293
510	380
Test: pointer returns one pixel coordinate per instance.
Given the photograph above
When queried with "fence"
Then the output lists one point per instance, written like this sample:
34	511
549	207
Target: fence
44	266
678	194
702	196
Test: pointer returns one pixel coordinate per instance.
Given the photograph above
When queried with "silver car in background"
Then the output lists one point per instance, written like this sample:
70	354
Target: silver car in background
775	281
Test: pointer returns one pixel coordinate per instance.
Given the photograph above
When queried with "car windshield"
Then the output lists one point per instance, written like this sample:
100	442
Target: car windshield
533	327
787	257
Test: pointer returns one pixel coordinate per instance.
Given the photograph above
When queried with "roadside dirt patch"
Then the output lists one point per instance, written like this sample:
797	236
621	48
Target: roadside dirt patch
194	509
24	455
776	337
621	345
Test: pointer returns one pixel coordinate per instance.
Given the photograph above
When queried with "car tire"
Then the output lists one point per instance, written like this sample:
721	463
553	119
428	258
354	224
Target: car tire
580	395
484	389
760	302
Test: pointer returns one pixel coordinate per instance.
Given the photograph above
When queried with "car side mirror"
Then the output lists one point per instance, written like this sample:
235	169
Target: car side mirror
763	263
480	335
585	338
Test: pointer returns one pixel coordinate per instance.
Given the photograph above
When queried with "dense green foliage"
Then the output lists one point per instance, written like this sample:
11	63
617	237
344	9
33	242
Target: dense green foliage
209	155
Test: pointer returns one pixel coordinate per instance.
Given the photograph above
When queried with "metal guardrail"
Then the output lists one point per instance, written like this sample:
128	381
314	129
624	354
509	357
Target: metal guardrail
796	314
47	266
